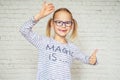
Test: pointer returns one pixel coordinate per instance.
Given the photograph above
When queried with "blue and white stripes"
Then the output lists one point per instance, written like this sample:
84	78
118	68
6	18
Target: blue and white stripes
54	58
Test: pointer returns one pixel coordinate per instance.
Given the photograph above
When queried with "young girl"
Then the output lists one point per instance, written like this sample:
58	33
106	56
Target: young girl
55	53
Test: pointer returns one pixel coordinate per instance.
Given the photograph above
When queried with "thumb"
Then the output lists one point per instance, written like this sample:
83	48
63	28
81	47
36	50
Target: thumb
44	3
94	53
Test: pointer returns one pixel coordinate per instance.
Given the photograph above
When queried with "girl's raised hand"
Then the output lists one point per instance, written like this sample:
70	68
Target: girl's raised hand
46	9
93	58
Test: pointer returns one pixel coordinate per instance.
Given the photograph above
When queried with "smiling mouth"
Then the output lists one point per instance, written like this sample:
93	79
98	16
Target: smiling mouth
62	30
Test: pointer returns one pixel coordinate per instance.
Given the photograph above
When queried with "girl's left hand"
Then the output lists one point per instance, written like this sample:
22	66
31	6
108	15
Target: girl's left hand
93	58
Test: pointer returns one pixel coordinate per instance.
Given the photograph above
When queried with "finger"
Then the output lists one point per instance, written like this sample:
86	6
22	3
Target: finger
92	57
50	4
96	50
93	60
44	3
51	7
94	53
51	10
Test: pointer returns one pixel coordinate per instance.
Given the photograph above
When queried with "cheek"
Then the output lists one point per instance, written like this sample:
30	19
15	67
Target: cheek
69	29
55	28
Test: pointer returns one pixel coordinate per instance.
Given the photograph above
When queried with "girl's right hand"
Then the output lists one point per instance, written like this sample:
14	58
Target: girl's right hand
46	9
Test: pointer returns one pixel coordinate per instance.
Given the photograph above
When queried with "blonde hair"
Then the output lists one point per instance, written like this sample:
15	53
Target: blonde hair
74	30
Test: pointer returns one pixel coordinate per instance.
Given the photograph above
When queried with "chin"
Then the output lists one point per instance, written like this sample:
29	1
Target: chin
61	34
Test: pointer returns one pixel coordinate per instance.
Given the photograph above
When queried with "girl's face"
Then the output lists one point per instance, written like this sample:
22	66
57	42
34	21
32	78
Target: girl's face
62	23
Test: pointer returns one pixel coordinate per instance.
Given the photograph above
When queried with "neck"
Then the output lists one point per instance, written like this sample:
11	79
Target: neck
60	39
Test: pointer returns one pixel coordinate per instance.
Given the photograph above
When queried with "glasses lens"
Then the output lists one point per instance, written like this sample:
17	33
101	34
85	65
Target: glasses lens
59	23
68	23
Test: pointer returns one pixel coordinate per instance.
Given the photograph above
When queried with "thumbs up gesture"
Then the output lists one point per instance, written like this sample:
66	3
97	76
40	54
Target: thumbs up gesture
93	58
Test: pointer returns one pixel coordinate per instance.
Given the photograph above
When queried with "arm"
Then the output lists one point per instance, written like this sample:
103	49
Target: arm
26	31
78	55
84	58
26	28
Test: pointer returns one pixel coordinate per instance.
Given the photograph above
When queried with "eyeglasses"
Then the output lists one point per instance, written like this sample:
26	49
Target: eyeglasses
60	23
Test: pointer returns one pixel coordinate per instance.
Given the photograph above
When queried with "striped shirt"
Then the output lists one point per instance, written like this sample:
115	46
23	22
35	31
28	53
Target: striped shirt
54	58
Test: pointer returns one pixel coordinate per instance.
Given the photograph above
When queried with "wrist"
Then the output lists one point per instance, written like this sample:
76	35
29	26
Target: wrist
37	17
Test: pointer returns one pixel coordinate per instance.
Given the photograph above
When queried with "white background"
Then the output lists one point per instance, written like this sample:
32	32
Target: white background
99	27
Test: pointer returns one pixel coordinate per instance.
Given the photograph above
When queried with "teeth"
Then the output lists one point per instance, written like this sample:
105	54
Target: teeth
62	30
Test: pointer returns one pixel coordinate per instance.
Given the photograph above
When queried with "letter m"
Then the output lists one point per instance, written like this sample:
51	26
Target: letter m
48	47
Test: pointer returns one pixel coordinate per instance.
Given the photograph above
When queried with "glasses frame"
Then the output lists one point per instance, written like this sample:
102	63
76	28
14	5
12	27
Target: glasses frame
63	22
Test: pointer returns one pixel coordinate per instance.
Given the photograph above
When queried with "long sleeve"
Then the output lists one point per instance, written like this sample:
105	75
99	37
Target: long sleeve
80	56
26	31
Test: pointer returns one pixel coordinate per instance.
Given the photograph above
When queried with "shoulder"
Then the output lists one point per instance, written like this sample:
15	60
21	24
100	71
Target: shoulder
73	46
44	38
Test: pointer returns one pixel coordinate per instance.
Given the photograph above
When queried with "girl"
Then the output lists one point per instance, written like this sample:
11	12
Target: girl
55	53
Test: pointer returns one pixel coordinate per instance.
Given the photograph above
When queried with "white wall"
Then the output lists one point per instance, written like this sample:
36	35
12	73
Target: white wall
99	27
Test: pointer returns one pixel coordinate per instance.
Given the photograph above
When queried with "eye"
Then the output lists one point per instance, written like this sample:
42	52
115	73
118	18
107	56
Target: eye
59	22
68	22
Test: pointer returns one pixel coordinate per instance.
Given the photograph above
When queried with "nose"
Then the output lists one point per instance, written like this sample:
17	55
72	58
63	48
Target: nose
64	25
